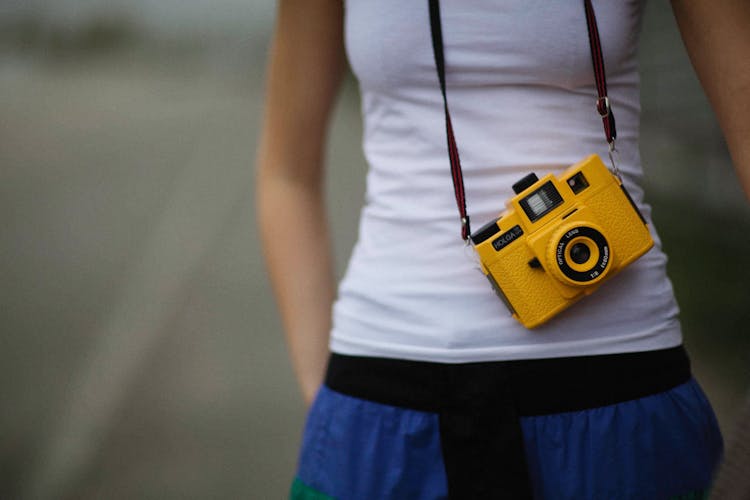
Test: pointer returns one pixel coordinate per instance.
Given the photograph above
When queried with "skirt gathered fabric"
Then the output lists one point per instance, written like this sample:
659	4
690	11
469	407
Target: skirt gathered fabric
433	442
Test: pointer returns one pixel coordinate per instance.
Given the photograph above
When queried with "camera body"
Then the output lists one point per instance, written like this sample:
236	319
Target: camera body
560	239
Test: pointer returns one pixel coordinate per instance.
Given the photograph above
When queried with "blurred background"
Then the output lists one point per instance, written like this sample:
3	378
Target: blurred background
141	353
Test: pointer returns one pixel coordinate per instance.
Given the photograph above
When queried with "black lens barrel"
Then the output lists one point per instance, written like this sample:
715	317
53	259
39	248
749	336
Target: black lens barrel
580	253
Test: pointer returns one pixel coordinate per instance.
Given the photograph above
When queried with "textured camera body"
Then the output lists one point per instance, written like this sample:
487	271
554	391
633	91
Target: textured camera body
559	239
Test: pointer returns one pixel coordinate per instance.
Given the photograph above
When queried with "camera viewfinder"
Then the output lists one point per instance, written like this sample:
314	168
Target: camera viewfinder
578	183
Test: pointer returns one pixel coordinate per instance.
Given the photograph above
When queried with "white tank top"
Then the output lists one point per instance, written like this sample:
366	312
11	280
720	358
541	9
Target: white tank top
521	93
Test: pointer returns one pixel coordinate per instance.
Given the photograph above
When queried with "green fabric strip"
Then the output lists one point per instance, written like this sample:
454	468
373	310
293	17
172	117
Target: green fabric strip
693	495
301	491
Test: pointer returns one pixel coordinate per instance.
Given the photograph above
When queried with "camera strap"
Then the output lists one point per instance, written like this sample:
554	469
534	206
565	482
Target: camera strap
602	103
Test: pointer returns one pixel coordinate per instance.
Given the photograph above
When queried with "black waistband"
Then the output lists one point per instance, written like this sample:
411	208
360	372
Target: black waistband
536	387
479	404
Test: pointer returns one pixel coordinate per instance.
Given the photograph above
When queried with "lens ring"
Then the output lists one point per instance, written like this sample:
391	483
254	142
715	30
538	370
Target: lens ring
583	273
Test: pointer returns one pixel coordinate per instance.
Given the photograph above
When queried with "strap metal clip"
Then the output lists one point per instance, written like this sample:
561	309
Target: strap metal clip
602	106
614	159
465	230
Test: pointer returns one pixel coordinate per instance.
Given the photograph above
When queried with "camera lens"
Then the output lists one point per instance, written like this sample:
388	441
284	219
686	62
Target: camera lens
580	253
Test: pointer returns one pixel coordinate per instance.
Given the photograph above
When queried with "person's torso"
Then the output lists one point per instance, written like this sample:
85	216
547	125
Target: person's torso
521	92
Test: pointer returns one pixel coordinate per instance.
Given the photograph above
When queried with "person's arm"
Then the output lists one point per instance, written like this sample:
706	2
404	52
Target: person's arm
305	68
717	36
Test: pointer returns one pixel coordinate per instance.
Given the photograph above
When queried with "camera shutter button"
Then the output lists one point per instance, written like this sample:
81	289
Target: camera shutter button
525	183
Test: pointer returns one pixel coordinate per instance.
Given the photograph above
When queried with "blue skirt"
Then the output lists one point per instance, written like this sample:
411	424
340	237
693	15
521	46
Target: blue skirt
385	429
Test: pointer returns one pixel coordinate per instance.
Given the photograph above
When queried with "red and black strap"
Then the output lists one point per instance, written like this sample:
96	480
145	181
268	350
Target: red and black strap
602	103
455	160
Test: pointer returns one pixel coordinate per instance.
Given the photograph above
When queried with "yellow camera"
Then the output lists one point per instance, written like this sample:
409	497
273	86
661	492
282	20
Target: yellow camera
560	239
